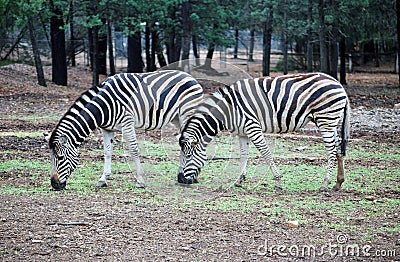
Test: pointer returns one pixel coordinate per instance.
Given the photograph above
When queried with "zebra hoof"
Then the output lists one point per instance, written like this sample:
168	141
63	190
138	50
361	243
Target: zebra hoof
336	188
237	184
326	193
278	188
323	189
140	185
101	184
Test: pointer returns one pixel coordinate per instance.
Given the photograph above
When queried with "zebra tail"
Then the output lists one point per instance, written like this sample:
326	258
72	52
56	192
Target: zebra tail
345	129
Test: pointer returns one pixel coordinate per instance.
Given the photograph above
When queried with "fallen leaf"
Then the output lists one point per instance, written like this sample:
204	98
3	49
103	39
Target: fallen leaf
370	198
293	223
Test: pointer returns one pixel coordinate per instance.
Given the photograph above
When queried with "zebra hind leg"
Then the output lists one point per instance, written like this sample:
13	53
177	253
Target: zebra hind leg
244	155
340	173
329	137
129	133
108	148
340	161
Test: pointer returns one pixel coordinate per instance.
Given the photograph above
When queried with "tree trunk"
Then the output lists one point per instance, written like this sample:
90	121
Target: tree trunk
186	25
285	39
210	53
376	53
178	46
110	46
195	50
19	38
102	51
342	49
95	60
187	31
72	33
333	44
267	37
310	56
235	51
159	50
398	34
90	45
135	59
251	48
170	45
58	53
153	49
36	54
149	66
322	45
171	48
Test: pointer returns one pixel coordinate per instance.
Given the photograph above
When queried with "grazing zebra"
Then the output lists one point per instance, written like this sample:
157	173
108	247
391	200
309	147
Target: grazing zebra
122	102
252	107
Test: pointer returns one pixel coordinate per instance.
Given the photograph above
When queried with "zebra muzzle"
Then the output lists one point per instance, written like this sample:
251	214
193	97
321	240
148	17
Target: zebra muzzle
55	183
184	180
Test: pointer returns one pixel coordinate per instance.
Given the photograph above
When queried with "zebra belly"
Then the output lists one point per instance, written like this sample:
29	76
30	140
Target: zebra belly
275	126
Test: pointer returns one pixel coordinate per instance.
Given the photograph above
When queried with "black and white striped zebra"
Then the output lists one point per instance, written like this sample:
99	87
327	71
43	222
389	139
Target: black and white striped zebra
122	102
282	104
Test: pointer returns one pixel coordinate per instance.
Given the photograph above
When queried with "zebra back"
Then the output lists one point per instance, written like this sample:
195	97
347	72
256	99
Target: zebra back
280	104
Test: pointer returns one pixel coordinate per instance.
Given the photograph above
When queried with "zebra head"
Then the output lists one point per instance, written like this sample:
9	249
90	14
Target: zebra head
64	157
193	141
194	158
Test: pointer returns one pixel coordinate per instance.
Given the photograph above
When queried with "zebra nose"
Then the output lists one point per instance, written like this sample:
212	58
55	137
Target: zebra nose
57	185
184	180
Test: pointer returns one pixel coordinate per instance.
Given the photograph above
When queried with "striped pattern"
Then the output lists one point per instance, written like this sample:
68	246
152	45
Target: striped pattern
252	107
122	102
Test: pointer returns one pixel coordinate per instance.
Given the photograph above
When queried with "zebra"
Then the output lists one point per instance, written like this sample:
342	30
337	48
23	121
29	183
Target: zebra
282	104
122	102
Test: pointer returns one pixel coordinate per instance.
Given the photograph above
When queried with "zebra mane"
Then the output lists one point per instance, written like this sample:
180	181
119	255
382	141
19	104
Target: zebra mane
84	97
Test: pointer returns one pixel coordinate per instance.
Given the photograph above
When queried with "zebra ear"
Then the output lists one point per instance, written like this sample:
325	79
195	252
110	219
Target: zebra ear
63	140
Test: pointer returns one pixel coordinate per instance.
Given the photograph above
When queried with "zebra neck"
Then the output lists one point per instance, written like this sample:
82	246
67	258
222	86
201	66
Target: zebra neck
206	126
76	126
84	116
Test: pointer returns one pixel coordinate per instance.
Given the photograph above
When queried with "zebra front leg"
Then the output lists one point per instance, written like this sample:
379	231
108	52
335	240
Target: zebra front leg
244	155
129	133
258	139
108	137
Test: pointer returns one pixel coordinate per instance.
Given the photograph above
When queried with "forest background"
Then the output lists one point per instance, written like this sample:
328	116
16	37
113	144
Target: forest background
313	35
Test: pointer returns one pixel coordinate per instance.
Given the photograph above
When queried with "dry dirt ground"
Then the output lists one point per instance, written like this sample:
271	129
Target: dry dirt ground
107	225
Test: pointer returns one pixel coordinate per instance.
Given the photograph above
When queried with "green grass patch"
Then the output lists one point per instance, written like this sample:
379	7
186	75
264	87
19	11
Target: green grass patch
300	173
33	118
31	166
6	62
21	134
